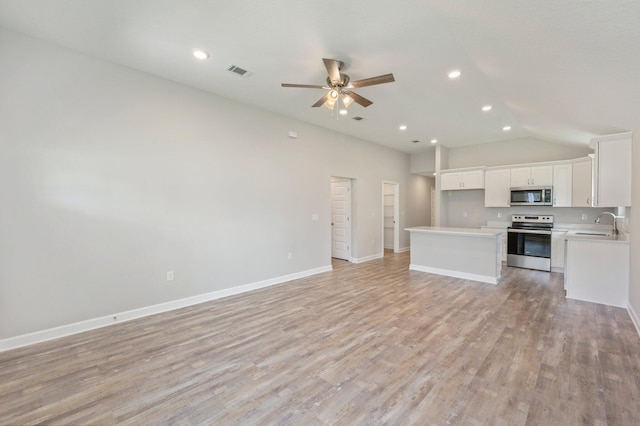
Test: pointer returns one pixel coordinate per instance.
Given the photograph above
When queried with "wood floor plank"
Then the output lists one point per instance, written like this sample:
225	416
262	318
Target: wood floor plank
370	343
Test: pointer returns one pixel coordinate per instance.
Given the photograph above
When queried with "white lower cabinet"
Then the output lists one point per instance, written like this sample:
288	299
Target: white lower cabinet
557	250
597	271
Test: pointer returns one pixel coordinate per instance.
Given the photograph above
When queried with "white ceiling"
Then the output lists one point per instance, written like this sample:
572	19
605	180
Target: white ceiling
556	70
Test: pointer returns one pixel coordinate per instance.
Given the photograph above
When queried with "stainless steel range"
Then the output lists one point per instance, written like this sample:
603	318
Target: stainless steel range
529	241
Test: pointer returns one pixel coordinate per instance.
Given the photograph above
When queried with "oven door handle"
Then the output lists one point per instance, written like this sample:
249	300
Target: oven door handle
529	231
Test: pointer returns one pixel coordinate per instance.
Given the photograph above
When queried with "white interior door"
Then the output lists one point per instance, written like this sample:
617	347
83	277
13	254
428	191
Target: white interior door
341	219
391	216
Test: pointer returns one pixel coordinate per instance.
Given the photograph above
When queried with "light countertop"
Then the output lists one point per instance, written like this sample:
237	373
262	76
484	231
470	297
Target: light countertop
469	232
581	235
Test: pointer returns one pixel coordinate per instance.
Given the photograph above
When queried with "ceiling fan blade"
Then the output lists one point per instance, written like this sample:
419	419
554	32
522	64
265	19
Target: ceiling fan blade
357	98
307	86
321	101
387	78
332	68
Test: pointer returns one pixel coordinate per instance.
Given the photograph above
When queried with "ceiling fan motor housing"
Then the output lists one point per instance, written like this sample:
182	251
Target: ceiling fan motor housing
345	81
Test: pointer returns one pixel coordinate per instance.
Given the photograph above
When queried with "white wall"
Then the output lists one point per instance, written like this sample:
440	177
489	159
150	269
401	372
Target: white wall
424	162
110	178
634	223
516	151
457	203
419	200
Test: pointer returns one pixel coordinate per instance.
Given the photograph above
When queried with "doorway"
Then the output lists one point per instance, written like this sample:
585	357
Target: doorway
341	218
390	216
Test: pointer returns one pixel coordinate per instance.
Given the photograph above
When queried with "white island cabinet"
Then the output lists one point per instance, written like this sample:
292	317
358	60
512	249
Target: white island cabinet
473	254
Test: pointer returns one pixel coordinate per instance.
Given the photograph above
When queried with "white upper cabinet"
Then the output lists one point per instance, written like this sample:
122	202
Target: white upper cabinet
581	194
497	188
467	179
562	185
612	170
531	176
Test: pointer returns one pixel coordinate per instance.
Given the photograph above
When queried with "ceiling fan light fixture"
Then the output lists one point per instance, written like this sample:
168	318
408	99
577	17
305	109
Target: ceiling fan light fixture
347	100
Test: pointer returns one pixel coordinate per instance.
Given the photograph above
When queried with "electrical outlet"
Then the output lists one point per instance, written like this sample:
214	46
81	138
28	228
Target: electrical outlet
499	214
584	216
170	276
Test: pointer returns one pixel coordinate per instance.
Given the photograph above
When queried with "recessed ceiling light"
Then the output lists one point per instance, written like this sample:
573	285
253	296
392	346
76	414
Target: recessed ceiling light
343	112
403	127
200	54
454	74
506	128
434	140
487	108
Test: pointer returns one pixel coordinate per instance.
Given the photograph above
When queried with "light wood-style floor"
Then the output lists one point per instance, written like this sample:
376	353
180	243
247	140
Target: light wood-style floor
371	343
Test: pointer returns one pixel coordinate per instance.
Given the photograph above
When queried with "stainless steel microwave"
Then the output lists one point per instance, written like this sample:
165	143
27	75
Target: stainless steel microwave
532	196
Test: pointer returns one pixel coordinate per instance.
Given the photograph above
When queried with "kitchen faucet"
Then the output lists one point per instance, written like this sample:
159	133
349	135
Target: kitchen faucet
615	226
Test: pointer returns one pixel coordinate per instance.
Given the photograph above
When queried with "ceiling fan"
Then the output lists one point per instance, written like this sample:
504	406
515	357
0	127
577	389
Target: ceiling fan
339	86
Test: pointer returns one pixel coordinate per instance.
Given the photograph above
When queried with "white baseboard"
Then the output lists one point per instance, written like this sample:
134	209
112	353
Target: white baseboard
93	323
367	258
456	274
634	317
403	249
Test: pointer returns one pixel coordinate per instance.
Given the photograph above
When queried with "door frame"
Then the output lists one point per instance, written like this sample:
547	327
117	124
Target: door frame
396	216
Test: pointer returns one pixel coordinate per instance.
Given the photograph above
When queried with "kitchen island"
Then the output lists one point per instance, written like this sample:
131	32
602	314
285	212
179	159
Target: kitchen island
473	254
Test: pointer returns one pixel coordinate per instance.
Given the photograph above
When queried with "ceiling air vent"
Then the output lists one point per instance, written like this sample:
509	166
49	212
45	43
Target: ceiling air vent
357	118
239	71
